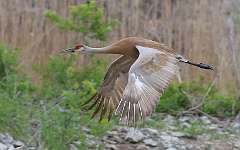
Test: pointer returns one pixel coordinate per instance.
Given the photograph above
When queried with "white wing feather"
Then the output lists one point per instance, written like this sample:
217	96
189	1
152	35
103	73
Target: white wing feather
149	75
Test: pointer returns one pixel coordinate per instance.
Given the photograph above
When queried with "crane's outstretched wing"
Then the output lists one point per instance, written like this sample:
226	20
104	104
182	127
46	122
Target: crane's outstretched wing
148	77
110	92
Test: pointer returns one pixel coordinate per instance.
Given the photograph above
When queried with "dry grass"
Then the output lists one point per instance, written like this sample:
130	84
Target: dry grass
203	30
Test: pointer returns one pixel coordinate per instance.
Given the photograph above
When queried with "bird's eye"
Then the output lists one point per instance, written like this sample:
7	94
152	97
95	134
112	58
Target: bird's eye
78	46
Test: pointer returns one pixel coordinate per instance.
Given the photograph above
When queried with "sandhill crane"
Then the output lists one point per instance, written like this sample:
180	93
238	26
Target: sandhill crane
135	81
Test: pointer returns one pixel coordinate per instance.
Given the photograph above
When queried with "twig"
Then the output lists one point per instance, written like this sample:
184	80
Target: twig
59	101
214	119
204	97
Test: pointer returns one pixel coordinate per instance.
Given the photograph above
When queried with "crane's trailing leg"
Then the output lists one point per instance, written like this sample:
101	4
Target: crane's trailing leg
200	65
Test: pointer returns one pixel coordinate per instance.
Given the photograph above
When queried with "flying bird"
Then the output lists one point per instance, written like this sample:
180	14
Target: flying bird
135	81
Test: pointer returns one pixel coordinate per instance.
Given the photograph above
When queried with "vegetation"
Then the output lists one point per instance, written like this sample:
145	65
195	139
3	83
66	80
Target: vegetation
87	19
182	97
50	113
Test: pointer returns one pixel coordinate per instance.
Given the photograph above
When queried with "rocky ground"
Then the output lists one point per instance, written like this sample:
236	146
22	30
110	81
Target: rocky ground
170	133
8	143
185	133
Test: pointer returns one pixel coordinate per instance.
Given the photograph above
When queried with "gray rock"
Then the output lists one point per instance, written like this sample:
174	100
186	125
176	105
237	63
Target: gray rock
185	125
178	134
90	136
18	144
117	139
213	127
6	139
150	142
236	126
3	147
170	120
142	147
112	132
171	127
171	148
86	130
151	131
236	143
189	147
111	147
11	147
110	141
73	147
91	142
134	136
123	129
205	120
77	142
31	148
184	119
168	138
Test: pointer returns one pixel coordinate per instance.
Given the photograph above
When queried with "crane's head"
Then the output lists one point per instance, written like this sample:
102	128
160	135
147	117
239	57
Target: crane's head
76	48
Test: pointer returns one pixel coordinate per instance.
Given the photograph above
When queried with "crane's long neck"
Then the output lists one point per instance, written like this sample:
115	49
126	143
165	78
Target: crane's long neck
107	49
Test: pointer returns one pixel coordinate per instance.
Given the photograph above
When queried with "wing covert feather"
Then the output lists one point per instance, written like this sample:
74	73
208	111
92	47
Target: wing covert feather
149	75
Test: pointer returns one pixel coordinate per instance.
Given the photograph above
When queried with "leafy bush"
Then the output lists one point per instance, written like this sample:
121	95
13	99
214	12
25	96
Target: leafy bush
51	113
86	18
173	100
15	93
54	107
221	105
66	86
180	97
195	128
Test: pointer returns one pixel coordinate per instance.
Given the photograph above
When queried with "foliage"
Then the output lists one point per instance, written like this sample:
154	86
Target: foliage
173	100
195	128
53	109
15	93
51	112
86	18
65	88
179	97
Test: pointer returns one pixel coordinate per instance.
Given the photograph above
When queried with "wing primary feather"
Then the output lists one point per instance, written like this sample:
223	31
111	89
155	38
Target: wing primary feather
122	110
140	110
134	114
98	107
104	109
90	99
128	115
110	111
117	109
94	104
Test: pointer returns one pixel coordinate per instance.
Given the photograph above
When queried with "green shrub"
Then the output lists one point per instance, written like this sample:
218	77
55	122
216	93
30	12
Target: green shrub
86	18
221	105
195	128
64	89
15	94
181	97
173	100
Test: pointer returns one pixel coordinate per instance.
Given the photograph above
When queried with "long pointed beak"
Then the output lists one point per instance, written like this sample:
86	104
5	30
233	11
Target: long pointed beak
69	50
